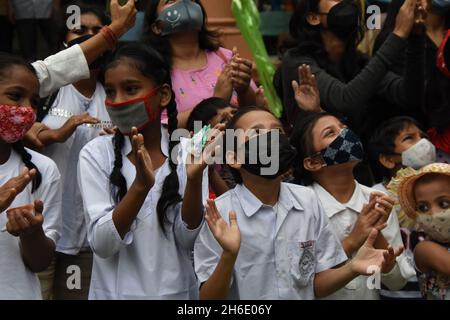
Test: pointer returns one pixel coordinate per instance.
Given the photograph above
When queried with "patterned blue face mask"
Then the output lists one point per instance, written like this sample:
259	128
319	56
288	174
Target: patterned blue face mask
345	148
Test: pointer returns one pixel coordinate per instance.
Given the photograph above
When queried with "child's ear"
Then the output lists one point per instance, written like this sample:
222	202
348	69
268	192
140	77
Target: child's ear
313	164
166	95
313	19
231	160
156	29
387	161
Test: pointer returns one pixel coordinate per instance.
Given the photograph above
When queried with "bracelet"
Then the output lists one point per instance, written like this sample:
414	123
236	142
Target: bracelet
109	36
67	115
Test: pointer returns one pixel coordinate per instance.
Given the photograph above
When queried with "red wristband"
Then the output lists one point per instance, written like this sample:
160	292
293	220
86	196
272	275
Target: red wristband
109	36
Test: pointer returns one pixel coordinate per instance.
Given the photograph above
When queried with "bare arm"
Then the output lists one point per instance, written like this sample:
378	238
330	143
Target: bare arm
432	256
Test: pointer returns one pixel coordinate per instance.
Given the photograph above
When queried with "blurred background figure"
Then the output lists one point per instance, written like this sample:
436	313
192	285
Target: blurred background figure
29	16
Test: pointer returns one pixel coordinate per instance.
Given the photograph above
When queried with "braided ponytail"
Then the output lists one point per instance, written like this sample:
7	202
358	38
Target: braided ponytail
26	158
118	182
169	195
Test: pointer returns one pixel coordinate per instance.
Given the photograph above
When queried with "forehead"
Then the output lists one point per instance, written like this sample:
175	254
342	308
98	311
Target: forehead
90	18
260	119
439	181
20	76
327	121
121	69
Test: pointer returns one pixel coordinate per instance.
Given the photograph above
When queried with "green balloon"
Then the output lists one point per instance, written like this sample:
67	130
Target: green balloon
248	20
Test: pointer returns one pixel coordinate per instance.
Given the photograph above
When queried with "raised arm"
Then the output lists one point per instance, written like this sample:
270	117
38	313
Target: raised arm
70	65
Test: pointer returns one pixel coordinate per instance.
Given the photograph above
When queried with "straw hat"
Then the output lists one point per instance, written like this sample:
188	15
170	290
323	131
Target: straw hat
404	183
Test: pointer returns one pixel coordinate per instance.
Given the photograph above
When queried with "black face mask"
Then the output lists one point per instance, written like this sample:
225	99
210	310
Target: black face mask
268	159
98	63
343	19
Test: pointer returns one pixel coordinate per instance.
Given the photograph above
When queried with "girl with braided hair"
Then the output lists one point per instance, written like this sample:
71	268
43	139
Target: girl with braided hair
140	229
29	232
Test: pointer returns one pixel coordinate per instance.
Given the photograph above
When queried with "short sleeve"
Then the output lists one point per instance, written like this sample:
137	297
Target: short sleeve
329	251
207	254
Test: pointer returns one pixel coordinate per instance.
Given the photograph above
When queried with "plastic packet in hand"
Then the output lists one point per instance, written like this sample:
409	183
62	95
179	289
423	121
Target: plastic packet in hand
199	141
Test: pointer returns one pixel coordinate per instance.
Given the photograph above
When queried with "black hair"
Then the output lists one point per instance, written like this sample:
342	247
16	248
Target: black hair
306	39
6	62
152	65
231	125
205	111
302	141
382	141
85	8
208	39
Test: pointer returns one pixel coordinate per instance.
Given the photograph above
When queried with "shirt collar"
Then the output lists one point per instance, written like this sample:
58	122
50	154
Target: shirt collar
332	206
251	204
164	143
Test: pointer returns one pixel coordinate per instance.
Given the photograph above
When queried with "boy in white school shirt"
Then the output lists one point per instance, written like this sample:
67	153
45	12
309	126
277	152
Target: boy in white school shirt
284	247
328	153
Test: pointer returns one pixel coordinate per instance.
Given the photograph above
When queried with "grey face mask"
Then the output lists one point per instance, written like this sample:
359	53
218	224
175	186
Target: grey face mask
184	16
135	113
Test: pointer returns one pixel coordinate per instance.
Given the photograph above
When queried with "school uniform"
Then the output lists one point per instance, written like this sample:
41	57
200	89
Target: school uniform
282	247
145	264
17	282
342	219
71	102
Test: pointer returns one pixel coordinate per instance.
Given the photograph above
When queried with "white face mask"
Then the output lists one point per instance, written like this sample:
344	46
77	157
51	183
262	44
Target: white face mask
436	226
419	155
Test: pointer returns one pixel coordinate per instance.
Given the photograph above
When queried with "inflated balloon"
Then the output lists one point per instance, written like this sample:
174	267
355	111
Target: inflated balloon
248	21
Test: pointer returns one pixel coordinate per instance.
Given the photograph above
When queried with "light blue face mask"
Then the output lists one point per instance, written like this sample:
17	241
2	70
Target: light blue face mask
441	6
183	16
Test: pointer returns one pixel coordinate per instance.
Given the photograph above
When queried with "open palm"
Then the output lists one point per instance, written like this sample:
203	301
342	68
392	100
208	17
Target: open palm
227	235
368	259
306	91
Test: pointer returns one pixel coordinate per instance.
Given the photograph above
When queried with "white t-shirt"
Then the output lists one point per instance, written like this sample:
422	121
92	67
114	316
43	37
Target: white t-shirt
16	281
73	235
282	247
343	218
146	264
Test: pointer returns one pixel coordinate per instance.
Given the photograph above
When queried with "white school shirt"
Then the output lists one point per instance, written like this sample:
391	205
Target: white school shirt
65	67
282	247
145	264
66	155
17	282
343	218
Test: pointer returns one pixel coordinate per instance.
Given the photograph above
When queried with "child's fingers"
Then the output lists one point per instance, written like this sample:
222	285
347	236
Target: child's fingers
233	219
399	251
295	86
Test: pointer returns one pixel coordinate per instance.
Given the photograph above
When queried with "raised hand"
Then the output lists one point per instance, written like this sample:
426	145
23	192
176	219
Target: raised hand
123	17
227	235
241	72
145	175
368	259
410	13
197	164
26	220
14	186
306	92
31	139
261	100
224	85
391	259
373	216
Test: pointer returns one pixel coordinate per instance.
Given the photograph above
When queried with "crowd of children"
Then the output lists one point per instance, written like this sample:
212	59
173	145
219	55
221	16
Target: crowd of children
95	174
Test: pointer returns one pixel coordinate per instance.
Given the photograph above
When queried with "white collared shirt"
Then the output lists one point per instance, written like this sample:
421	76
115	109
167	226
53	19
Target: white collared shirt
146	264
17	282
343	218
73	235
282	248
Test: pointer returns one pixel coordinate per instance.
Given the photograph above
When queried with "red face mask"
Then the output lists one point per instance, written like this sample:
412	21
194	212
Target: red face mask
15	121
443	63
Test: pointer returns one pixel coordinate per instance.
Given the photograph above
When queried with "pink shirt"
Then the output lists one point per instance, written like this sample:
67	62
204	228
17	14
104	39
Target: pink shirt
193	86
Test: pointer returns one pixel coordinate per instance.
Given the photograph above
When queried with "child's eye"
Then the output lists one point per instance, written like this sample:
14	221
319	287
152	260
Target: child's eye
407	138
131	90
422	207
109	93
14	96
444	204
